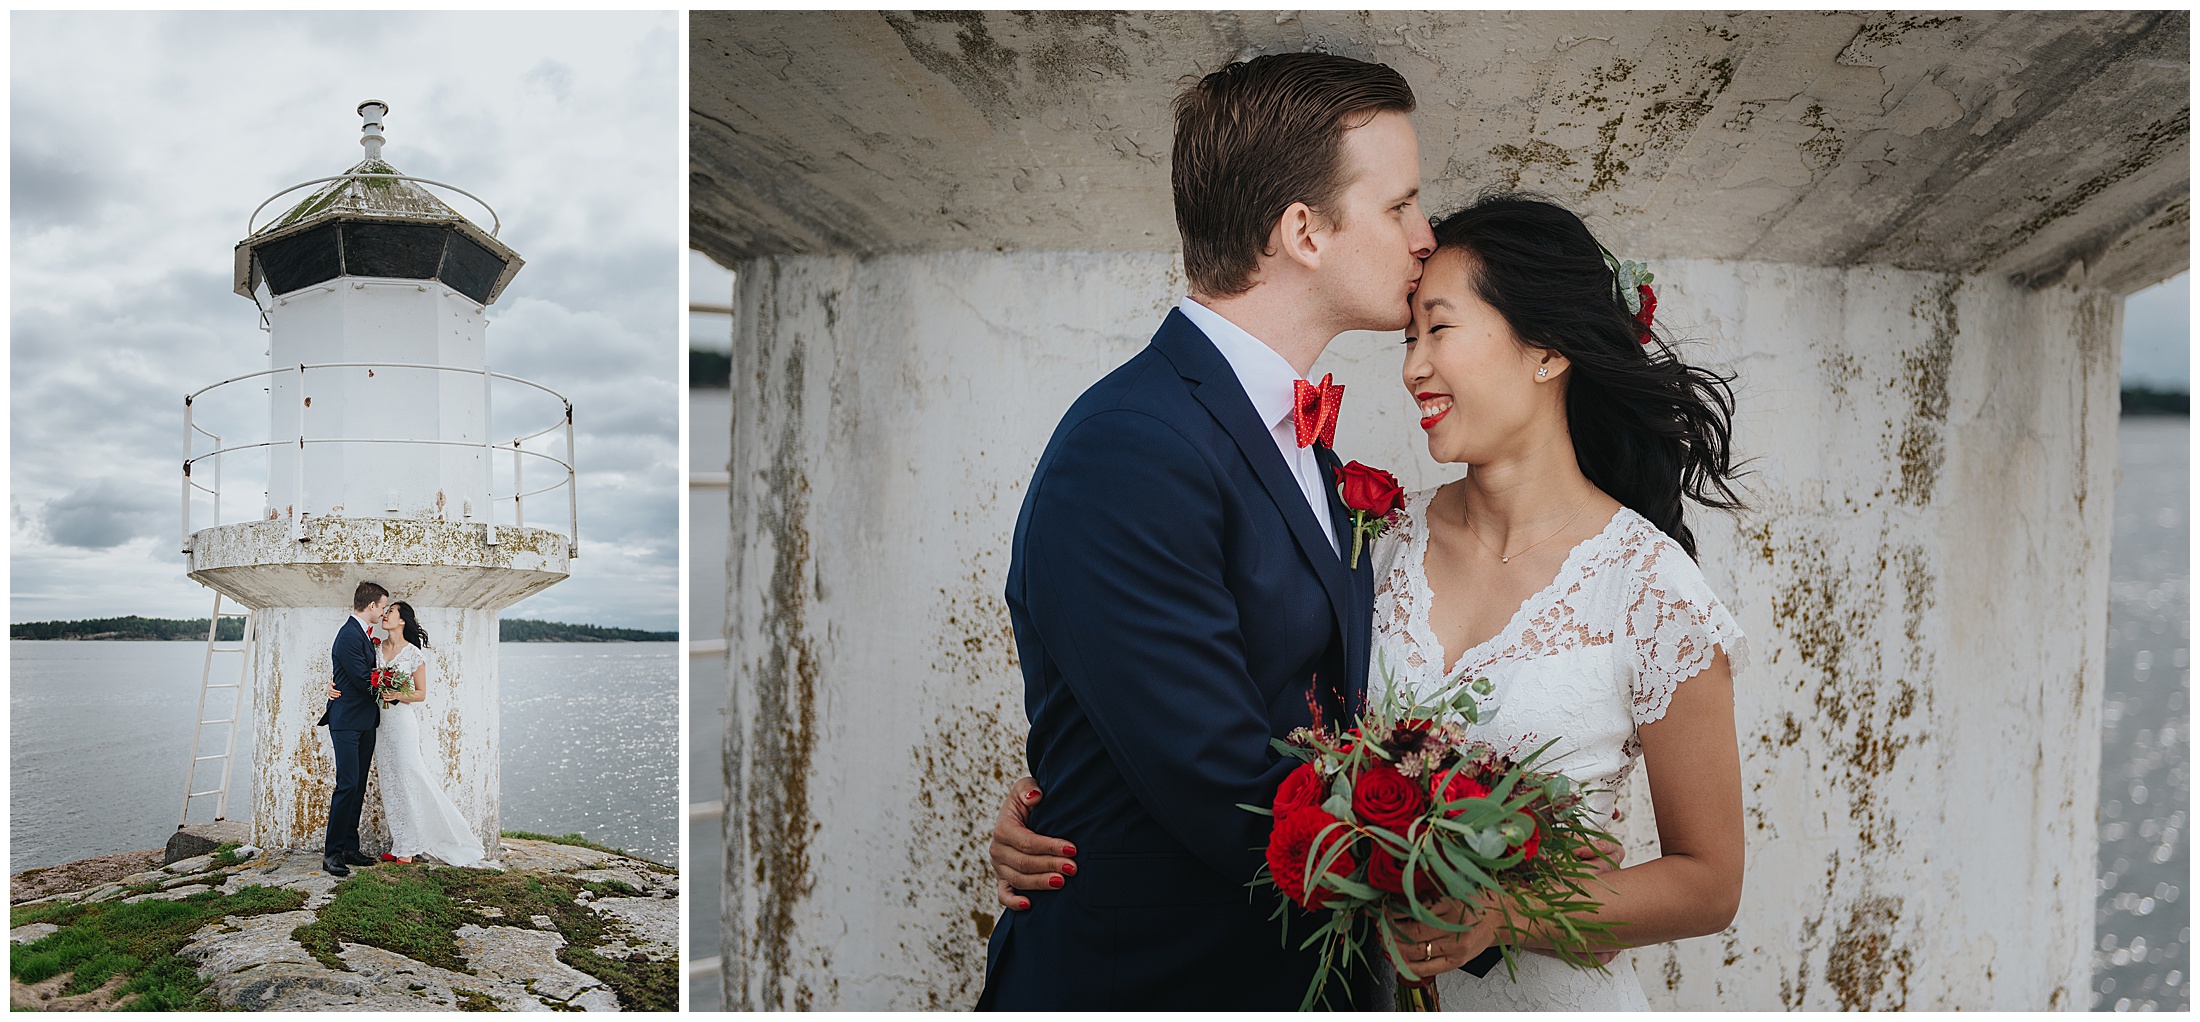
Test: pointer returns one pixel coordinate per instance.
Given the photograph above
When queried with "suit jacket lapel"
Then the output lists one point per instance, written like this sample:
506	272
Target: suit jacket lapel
1197	359
1359	628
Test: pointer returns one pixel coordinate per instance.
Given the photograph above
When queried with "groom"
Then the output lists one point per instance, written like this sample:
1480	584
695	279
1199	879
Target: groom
1177	589
352	718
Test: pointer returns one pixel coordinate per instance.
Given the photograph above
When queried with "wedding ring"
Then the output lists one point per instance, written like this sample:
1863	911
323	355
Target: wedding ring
1428	951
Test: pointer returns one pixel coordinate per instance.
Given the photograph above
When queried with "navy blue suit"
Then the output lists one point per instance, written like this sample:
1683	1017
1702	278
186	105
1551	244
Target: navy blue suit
1176	605
352	719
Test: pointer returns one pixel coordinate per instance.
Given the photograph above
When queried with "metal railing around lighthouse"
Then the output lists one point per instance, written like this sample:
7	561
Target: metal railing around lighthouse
489	449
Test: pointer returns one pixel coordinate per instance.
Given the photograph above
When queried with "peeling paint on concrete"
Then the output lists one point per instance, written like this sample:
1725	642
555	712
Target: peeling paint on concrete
300	594
1867	970
1906	637
2032	144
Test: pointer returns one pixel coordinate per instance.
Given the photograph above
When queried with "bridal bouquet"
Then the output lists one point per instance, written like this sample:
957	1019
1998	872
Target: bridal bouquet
1390	817
386	681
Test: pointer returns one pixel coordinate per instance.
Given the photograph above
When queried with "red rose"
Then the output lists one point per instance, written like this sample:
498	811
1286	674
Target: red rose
376	639
1370	489
1382	797
1289	846
1535	840
1461	785
1385	873
1301	790
1649	306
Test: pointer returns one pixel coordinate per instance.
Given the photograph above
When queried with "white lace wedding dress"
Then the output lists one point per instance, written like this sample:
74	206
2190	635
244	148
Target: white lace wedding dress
1585	661
421	816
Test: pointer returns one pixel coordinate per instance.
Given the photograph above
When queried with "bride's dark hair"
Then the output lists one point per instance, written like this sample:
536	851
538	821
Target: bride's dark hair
1647	428
414	634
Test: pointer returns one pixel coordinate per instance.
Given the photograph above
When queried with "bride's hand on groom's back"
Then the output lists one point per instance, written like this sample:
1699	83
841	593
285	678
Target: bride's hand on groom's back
1022	860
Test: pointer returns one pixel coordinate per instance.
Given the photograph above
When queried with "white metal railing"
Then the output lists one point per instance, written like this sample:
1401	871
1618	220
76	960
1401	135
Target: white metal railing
487	446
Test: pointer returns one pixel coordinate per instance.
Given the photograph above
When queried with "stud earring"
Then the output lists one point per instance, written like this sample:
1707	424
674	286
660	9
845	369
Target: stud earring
1542	372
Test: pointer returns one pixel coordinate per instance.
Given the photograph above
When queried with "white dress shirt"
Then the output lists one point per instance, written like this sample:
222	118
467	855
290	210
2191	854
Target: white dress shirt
1268	381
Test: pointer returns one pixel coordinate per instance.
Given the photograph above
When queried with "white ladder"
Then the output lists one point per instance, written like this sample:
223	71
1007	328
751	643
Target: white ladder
228	754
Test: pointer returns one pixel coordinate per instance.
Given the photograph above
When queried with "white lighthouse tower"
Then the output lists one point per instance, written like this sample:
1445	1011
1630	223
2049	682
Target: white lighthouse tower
381	465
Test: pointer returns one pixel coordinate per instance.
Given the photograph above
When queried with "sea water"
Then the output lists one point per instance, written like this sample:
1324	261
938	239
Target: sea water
2142	921
101	732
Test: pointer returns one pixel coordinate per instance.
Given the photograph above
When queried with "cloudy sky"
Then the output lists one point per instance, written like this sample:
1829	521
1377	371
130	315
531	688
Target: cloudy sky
140	143
2158	335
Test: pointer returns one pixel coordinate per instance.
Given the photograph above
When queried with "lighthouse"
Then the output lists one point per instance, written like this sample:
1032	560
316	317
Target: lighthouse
393	452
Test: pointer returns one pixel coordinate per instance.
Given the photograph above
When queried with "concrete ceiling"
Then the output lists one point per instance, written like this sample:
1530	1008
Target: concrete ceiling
2046	145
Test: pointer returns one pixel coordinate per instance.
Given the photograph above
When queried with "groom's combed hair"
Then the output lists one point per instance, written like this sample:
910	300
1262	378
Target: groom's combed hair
1257	136
364	596
1648	429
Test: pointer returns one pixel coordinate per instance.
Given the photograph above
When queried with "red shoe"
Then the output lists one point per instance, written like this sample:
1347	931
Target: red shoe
387	857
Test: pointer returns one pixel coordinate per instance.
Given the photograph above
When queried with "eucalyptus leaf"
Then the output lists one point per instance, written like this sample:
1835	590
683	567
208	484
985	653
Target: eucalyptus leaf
1486	843
1339	806
1349	887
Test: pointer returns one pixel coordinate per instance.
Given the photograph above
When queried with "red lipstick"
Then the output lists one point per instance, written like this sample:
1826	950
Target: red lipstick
1429	422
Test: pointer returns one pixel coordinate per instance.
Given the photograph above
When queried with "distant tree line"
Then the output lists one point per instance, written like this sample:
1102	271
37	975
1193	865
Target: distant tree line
132	627
231	629
2148	401
523	630
709	369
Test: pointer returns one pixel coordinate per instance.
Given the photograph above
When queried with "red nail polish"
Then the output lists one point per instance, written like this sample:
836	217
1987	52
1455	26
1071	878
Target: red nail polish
1069	869
1054	882
1023	903
1031	796
1069	849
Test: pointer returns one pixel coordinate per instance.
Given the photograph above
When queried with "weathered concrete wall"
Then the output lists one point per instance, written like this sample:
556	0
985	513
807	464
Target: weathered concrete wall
1923	580
300	594
1925	583
2039	144
294	761
887	415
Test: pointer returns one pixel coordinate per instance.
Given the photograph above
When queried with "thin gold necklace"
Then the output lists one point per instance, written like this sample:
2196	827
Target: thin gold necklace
1504	558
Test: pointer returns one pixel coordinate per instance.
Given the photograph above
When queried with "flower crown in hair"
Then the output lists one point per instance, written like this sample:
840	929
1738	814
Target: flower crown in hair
1634	289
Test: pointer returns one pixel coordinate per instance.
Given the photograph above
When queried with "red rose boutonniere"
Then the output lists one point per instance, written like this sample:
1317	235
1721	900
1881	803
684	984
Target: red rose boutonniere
1373	495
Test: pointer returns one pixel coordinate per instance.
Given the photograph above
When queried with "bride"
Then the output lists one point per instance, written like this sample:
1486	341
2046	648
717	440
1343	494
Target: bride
1561	569
421	816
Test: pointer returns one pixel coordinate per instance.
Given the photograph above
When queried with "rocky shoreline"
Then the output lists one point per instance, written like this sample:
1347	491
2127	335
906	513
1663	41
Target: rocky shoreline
81	875
562	927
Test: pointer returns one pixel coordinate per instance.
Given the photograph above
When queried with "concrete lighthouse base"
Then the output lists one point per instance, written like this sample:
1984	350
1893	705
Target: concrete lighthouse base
300	593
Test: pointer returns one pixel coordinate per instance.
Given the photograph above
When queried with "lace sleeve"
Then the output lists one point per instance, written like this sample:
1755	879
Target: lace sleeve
1675	626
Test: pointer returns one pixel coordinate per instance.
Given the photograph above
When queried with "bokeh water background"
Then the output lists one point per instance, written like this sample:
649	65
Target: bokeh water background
2142	927
100	732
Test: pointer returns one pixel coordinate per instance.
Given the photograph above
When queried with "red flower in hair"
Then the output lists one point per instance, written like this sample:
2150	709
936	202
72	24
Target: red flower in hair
1649	308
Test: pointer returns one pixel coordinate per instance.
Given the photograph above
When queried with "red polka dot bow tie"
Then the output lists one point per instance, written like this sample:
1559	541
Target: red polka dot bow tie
1314	410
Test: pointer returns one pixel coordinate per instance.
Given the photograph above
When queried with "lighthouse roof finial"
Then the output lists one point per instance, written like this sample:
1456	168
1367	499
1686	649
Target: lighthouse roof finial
371	113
